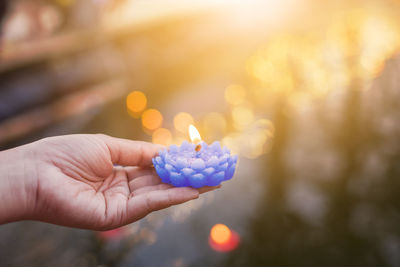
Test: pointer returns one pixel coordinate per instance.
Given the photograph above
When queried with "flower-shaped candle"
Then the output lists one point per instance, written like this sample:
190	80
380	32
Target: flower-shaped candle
195	164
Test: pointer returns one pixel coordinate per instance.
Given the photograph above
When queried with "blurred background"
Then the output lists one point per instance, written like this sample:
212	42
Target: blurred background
306	92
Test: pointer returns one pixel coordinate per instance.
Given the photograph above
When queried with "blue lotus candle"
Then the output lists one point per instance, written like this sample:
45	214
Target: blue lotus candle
195	164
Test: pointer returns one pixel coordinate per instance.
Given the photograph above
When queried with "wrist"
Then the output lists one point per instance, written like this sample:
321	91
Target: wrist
17	184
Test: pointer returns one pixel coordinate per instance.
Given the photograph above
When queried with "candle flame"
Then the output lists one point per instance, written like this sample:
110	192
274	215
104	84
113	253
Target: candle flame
194	134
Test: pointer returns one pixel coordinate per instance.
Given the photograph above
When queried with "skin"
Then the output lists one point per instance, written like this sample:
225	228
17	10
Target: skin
73	181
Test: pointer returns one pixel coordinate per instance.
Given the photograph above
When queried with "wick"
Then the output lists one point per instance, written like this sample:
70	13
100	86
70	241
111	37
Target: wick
197	148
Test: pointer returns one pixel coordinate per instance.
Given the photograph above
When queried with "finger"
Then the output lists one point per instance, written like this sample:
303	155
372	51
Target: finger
135	172
130	153
164	186
141	205
150	188
143	181
206	189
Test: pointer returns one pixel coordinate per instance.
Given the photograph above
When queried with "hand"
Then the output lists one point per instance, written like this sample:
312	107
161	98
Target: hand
74	182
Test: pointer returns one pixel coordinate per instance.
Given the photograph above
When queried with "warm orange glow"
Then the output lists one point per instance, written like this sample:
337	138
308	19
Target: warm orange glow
242	117
235	94
220	233
136	102
194	134
182	121
214	123
223	239
162	136
152	119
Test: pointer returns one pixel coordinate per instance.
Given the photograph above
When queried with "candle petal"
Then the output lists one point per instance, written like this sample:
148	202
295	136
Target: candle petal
177	179
164	175
198	165
173	149
223	159
204	145
181	163
163	152
208	171
232	159
197	180
215	147
225	150
159	161
222	167
213	161
187	172
230	172
185	146
169	168
217	178
168	159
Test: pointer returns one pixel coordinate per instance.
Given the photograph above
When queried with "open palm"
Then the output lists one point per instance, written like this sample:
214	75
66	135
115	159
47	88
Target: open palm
99	182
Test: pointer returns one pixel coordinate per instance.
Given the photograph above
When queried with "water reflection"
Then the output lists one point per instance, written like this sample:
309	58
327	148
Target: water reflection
331	176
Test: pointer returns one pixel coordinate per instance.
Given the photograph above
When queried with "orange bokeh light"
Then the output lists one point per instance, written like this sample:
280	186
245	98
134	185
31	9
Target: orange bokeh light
152	119
136	102
220	233
182	120
223	239
162	136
